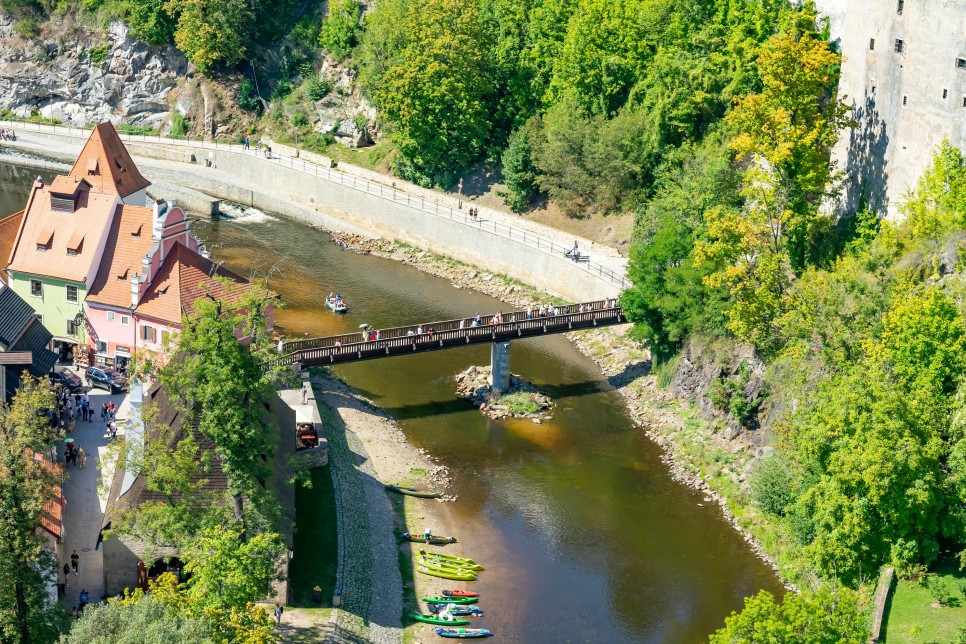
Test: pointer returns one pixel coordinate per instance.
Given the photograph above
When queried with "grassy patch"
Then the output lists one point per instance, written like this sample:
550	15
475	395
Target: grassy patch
139	130
418	471
316	545
911	615
520	402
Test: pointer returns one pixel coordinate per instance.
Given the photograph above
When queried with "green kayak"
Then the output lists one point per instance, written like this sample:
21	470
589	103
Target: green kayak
434	619
411	491
433	562
452	560
447	573
451	600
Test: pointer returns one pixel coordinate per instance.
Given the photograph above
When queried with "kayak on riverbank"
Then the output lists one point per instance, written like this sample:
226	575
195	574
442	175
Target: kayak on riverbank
463	633
446	573
436	619
451	600
450	560
458	593
432	539
413	492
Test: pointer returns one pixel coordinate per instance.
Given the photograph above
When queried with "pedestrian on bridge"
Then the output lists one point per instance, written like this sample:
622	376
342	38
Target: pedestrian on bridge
305	392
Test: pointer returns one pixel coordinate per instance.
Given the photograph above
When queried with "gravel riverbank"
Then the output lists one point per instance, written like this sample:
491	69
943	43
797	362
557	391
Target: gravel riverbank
366	451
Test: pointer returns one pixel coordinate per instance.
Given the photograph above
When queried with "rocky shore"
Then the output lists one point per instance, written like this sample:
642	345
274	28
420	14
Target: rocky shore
663	416
521	400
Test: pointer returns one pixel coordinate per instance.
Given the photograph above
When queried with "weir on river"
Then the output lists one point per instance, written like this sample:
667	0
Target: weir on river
585	535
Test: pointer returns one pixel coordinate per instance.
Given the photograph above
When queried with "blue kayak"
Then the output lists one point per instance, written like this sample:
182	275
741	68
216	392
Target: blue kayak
463	633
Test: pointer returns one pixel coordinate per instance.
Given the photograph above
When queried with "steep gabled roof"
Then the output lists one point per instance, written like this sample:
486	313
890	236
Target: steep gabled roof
36	339
106	164
43	225
184	277
8	235
15	315
127	243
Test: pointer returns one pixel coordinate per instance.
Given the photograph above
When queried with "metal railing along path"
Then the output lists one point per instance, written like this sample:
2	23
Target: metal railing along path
371	344
391	193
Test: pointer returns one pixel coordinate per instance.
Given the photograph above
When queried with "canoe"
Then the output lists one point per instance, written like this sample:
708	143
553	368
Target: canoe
413	492
433	539
433	562
459	593
451	559
338	308
436	619
462	633
461	609
451	600
447	573
444	566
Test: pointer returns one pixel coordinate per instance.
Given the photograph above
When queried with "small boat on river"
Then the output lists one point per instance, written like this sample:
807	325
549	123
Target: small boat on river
451	600
433	539
460	609
458	593
451	560
462	633
436	619
447	573
336	304
411	491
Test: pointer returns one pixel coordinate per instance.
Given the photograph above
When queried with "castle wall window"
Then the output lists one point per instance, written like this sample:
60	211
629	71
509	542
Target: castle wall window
871	44
900	46
900	6
961	63
945	94
905	99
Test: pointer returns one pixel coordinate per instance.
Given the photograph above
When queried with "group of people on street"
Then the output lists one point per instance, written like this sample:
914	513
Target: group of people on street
84	598
7	135
475	214
75	455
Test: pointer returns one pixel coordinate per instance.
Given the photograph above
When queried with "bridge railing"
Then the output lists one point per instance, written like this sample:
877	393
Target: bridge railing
458	335
518	315
356	183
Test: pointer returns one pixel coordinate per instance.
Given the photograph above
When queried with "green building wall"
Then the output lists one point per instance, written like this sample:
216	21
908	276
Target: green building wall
52	305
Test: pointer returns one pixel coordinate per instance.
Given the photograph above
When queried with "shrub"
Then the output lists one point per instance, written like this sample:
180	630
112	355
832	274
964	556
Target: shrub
247	97
300	119
939	590
519	173
317	89
520	402
179	127
140	130
338	33
772	486
361	121
98	53
28	29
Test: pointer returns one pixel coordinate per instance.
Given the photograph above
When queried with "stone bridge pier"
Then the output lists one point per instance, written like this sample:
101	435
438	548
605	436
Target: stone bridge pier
499	368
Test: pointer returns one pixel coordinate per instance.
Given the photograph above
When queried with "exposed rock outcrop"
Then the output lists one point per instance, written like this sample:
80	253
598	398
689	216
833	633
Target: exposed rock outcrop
58	78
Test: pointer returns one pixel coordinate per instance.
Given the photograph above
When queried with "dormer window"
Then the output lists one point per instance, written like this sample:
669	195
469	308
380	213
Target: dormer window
75	244
45	240
71	252
91	167
41	248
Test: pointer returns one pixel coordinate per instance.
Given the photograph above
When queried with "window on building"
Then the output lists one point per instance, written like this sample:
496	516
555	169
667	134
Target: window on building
945	93
40	317
36	288
871	44
964	101
71	252
961	63
165	336
125	320
900	46
71	326
900	6
905	99
72	294
110	316
873	89
41	248
147	333
101	346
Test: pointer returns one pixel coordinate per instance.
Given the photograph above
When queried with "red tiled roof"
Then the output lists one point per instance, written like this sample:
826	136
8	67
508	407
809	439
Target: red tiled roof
184	277
42	225
62	185
128	242
106	164
8	234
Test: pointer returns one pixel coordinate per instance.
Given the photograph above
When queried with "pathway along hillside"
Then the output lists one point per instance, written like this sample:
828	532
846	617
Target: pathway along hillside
334	199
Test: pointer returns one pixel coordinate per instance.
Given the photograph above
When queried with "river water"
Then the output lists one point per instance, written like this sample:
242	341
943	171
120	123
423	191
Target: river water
585	536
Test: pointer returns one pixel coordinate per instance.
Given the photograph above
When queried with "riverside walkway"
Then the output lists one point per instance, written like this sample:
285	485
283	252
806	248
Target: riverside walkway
602	264
371	344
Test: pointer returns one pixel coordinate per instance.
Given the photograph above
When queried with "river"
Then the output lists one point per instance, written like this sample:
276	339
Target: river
585	535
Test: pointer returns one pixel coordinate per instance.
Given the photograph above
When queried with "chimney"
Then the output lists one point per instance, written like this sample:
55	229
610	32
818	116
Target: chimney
135	290
157	211
146	276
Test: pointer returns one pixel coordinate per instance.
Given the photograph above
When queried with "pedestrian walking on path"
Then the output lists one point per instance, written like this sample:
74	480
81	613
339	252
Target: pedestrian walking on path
75	562
278	614
82	456
305	393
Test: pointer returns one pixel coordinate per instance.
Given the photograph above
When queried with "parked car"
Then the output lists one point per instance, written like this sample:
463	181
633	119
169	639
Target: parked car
106	378
69	380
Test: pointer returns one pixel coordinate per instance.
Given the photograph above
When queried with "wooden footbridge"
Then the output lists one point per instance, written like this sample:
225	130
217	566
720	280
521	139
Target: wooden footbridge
497	329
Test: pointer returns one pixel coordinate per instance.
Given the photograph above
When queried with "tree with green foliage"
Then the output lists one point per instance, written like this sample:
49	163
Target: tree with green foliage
151	20
828	615
772	485
27	482
228	571
169	614
430	78
213	33
519	173
337	35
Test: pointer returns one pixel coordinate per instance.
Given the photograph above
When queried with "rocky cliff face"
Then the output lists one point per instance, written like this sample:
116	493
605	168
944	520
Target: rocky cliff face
56	77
